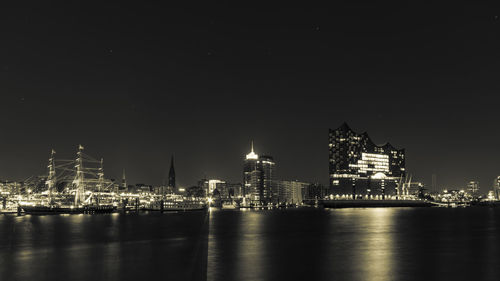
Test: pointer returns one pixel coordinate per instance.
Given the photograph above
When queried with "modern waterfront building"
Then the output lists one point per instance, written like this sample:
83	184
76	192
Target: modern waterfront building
258	178
269	190
360	168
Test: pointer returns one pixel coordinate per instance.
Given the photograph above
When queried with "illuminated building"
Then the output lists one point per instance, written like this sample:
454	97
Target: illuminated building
496	188
258	178
251	176
224	189
267	166
292	191
217	188
358	167
473	188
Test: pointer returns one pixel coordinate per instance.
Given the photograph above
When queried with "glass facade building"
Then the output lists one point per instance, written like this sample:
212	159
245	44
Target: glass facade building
258	178
360	168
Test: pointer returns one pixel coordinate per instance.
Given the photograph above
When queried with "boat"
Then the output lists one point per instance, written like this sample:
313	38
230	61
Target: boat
84	201
45	210
176	206
229	206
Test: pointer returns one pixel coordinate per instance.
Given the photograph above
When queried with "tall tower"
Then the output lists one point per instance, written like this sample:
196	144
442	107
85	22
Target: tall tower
258	178
251	176
171	176
268	188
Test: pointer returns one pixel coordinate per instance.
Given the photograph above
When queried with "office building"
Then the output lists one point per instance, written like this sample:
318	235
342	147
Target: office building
258	178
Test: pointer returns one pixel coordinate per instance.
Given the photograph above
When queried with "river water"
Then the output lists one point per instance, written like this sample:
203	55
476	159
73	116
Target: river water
292	244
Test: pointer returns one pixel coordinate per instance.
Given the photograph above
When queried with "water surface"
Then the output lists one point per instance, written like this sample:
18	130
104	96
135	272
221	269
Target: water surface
292	244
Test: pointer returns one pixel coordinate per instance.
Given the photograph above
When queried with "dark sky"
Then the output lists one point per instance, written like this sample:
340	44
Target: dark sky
137	83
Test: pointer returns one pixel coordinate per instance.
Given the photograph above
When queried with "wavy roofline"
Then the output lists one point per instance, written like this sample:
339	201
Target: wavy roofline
345	126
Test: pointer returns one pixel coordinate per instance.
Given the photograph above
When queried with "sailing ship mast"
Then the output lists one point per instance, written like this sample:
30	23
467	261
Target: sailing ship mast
100	183
78	182
51	179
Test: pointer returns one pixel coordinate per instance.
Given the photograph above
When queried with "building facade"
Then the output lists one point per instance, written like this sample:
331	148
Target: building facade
473	188
258	178
292	192
315	191
360	168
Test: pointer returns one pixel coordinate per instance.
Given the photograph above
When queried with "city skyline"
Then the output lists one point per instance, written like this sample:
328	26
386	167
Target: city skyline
167	179
136	84
141	141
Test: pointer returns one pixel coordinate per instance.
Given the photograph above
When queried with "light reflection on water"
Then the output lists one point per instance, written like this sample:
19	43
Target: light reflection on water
372	238
99	247
293	244
355	244
246	254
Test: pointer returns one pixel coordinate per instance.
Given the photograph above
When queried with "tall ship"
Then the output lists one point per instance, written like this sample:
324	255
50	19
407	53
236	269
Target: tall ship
84	188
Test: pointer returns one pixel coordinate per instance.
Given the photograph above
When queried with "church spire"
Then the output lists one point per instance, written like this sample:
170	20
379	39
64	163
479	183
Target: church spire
171	175
124	180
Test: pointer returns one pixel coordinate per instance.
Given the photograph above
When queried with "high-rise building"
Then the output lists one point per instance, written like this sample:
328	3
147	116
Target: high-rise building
251	176
496	188
258	177
269	190
358	167
473	188
171	176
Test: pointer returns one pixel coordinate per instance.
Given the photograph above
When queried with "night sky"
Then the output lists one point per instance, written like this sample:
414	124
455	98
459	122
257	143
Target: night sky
137	83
